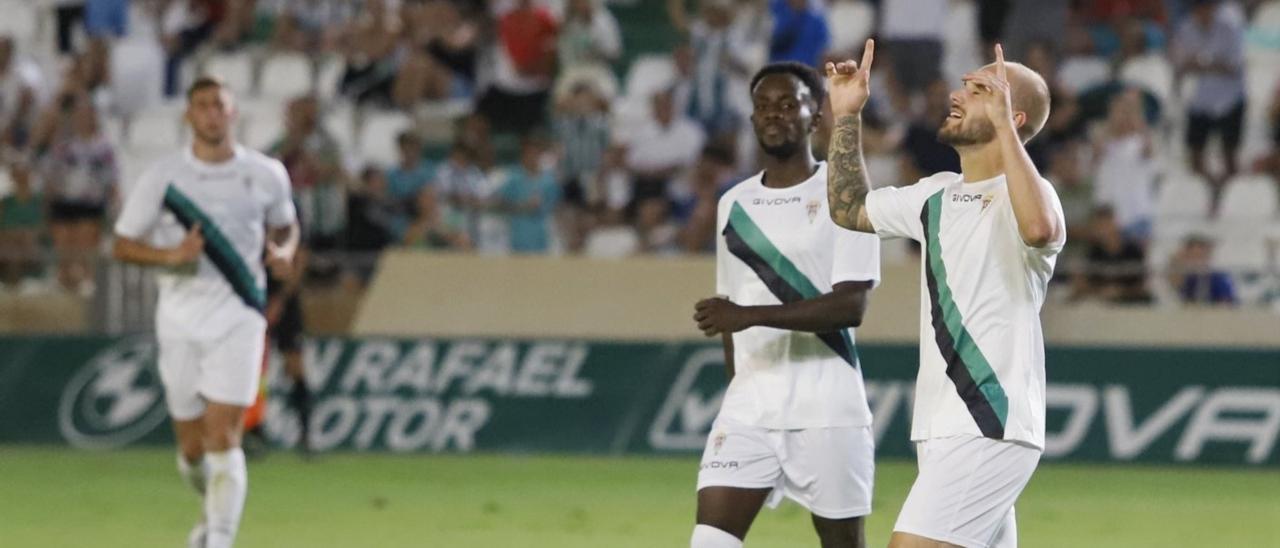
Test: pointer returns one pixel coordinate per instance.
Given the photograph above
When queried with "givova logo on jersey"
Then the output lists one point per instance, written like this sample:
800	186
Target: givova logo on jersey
115	399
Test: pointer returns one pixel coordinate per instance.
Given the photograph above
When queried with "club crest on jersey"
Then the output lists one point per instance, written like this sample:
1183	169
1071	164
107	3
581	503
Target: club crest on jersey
812	208
986	201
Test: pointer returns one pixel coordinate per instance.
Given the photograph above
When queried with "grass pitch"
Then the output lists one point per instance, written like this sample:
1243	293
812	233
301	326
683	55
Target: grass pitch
54	497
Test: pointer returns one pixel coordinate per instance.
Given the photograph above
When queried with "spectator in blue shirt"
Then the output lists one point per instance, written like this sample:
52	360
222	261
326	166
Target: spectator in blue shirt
1195	279
412	174
529	197
799	32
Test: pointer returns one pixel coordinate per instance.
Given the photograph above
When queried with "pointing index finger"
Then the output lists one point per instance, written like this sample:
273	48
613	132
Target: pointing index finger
868	54
1000	71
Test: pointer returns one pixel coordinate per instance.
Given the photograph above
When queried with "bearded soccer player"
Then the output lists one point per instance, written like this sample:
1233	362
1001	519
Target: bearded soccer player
794	421
209	217
990	236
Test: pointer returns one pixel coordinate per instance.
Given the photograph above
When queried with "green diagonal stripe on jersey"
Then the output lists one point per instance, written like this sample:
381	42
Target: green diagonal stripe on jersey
967	367
218	248
748	243
754	237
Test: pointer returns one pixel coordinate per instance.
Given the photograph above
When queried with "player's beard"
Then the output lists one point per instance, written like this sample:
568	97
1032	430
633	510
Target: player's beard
980	132
211	138
783	150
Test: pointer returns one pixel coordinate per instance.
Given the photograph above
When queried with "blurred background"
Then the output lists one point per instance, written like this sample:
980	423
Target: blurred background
508	210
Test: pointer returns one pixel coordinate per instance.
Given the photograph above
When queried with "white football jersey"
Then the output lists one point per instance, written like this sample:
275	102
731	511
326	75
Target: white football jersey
981	346
234	202
779	246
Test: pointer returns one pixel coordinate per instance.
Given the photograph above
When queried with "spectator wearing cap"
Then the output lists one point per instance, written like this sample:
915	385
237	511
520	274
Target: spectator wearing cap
799	32
1209	45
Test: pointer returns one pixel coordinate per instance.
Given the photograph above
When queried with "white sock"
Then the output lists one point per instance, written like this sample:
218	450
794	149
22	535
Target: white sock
228	482
706	536
192	473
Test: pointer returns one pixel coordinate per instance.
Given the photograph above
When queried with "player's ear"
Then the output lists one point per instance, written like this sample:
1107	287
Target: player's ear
1019	119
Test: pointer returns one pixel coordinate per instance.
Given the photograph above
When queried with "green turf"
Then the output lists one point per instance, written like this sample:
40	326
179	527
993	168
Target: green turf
56	497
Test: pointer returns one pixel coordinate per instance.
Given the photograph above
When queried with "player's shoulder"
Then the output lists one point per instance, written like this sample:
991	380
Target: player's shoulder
938	180
163	169
262	165
255	159
739	188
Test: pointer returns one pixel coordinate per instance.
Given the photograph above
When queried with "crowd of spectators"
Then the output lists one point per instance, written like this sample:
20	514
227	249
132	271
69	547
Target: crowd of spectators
572	142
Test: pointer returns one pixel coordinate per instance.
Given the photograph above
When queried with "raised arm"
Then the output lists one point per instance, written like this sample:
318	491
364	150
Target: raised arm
1039	224
842	308
847	183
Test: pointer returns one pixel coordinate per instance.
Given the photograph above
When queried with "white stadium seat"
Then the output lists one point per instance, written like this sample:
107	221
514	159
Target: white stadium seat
1183	195
960	40
378	136
1182	208
331	71
235	69
1249	198
850	23
1079	74
261	122
158	129
648	74
286	75
1153	73
21	22
137	75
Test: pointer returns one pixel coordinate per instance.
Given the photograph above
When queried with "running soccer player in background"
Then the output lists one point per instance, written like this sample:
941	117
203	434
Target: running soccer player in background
990	237
794	421
205	215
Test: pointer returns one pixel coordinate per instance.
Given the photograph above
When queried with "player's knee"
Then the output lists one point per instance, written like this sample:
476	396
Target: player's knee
222	432
221	440
706	536
192	450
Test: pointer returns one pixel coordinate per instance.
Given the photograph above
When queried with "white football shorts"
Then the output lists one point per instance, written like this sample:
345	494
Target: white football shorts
965	491
224	370
829	471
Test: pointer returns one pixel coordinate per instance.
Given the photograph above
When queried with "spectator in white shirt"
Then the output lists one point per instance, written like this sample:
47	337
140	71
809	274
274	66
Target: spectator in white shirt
661	148
1126	166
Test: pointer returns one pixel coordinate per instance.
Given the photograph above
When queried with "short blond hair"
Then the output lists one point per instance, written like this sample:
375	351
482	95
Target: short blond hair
1030	96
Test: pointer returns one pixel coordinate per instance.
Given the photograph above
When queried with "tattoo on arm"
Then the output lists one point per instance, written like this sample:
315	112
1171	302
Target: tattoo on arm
847	184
